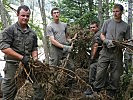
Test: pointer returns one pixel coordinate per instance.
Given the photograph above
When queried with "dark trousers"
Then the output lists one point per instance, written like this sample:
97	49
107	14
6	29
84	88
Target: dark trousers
109	65
9	87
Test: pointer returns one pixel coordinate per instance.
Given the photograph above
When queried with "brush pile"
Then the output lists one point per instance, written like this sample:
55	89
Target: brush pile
60	83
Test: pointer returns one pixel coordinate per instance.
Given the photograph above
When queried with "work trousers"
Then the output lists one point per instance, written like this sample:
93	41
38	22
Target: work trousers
57	55
109	69
9	87
92	73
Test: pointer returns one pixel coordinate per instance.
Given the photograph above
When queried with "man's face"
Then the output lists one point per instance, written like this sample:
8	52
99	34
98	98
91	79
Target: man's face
117	13
93	28
56	14
23	17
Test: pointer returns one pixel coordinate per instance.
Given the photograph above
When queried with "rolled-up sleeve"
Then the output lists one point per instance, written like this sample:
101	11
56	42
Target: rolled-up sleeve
6	38
35	45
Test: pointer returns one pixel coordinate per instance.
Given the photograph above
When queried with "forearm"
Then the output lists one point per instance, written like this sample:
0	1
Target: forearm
55	43
12	53
102	36
94	50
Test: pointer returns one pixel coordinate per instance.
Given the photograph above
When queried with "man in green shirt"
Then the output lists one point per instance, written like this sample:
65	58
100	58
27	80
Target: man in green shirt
18	42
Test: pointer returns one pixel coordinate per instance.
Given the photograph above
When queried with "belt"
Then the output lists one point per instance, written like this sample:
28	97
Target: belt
12	61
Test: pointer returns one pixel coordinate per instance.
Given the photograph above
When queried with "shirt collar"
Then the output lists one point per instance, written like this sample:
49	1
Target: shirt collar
19	28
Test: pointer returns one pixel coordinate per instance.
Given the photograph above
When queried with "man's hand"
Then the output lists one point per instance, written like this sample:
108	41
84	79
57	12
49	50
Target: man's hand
25	61
67	48
108	43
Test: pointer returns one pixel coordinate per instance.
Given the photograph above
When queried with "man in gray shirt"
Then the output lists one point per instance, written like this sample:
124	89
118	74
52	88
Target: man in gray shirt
59	39
111	55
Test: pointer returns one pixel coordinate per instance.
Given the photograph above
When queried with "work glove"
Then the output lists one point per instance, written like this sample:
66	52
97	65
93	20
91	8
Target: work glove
67	48
108	43
25	61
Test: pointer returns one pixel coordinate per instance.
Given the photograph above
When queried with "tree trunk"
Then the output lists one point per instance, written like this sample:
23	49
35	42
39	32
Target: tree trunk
4	19
32	13
107	9
100	12
90	5
130	3
21	2
45	39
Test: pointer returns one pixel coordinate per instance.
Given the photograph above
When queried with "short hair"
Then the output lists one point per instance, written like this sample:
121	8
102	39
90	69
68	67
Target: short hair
54	9
119	6
24	7
95	22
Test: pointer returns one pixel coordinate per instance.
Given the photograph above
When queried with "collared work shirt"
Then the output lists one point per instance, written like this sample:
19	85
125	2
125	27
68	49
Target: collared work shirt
23	42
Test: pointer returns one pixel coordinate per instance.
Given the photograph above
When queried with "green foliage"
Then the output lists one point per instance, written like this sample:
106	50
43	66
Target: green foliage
64	19
37	29
105	7
1	25
6	4
86	19
77	12
124	83
16	2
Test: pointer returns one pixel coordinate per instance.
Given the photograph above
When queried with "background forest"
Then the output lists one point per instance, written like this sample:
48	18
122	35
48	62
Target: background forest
73	12
78	14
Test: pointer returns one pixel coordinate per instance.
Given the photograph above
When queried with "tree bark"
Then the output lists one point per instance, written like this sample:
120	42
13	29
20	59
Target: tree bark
100	12
45	39
90	5
107	9
3	14
130	3
21	2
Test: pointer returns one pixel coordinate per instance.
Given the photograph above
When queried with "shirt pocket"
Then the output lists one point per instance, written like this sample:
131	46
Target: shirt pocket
18	42
29	44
